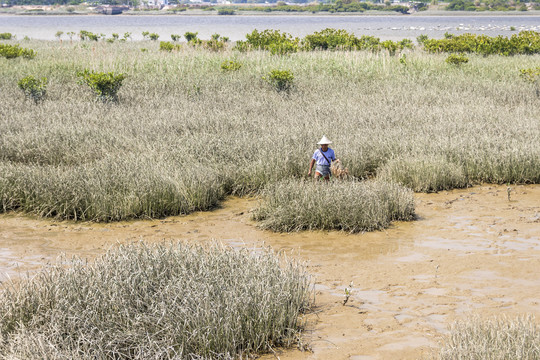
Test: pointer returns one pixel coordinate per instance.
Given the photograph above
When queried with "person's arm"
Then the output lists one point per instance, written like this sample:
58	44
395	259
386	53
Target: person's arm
311	163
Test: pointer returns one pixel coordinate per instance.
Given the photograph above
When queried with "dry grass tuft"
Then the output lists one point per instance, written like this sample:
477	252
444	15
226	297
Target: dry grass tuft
495	339
353	206
424	173
156	302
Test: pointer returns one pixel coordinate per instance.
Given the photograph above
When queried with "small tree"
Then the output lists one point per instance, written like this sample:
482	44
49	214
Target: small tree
34	89
153	36
59	34
104	85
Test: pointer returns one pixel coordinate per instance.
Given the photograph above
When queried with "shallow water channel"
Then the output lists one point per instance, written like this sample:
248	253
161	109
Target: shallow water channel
472	251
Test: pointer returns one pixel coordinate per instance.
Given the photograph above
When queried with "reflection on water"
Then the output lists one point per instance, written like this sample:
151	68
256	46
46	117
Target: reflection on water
236	27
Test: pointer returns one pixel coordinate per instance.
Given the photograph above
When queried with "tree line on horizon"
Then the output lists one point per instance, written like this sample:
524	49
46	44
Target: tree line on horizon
341	5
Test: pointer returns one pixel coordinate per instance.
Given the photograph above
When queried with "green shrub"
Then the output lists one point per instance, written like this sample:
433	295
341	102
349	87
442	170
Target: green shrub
421	38
216	43
173	301
390	46
191	36
14	51
230	65
153	36
280	80
6	36
457	59
351	206
283	48
424	173
526	42
530	75
264	39
87	35
104	85
34	89
226	12
175	37
497	338
168	46
331	39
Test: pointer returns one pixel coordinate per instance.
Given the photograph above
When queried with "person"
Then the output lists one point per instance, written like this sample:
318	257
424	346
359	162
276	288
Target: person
323	157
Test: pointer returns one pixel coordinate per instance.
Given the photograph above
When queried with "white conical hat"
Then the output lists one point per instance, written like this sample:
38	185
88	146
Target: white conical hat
324	141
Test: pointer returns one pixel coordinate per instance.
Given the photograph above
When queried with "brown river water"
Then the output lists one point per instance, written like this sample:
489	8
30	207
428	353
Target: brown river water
471	252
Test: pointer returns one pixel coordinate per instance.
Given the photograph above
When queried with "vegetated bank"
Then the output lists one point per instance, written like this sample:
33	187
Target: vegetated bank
172	301
189	128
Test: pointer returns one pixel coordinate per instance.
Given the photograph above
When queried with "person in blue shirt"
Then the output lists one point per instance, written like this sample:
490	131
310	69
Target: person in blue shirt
323	157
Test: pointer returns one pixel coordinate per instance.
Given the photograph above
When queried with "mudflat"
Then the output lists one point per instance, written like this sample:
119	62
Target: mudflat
472	252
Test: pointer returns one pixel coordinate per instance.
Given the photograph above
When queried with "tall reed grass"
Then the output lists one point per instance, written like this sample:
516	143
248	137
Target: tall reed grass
353	206
424	174
494	339
142	301
184	133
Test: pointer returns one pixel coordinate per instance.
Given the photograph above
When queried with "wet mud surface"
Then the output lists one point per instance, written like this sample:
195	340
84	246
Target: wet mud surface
471	252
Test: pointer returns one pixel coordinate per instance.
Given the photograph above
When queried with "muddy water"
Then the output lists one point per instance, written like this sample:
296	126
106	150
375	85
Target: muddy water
472	251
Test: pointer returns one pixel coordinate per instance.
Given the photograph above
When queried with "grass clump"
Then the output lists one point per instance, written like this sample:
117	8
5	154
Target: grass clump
109	189
495	339
352	206
424	173
142	301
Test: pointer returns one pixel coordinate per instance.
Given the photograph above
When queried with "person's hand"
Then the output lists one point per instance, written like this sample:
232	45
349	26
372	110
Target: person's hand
309	173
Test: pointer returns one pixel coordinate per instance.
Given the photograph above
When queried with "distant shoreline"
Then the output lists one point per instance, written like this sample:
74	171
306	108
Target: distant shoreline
427	13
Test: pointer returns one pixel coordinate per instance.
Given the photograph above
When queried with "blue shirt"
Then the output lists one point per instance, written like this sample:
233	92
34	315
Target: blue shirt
319	158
